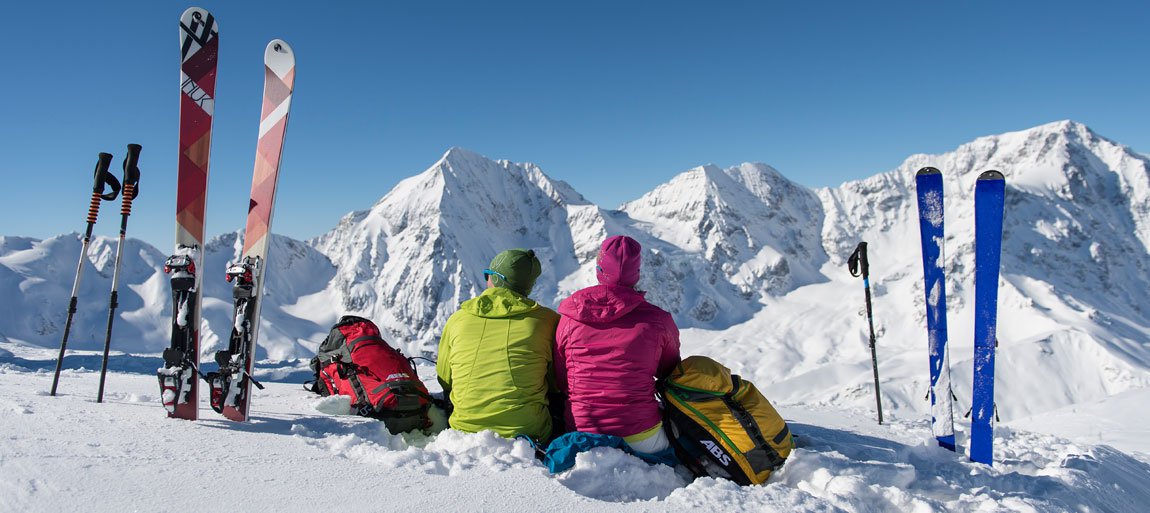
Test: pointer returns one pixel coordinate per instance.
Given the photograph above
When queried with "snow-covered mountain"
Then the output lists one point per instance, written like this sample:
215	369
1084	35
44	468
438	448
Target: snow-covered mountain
723	239
751	264
36	281
409	260
419	251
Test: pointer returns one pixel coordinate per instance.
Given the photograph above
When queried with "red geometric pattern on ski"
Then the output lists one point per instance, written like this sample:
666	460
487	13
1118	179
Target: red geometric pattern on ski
192	181
201	66
277	91
196	104
199	51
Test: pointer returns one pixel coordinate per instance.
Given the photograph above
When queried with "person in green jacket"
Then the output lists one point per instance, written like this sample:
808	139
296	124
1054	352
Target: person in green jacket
495	354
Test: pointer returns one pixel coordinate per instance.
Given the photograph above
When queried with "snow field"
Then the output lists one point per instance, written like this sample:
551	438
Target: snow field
69	453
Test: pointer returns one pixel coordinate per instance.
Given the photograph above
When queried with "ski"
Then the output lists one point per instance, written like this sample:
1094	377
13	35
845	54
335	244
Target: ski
989	195
928	185
199	46
231	385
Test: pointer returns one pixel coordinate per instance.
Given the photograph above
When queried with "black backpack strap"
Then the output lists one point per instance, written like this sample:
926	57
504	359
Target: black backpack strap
763	457
349	372
355	341
408	395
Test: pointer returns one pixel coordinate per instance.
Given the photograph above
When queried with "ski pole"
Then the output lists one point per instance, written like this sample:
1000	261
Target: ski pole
859	266
102	178
131	189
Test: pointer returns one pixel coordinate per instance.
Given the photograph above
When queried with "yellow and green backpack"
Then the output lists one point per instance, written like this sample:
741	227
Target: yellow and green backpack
720	425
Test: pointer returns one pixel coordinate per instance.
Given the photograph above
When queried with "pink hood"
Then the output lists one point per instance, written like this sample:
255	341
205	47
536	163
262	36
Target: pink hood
610	346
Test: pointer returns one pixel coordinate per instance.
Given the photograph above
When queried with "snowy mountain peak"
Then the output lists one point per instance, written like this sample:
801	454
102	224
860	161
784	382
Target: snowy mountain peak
1044	159
723	239
432	235
708	190
457	154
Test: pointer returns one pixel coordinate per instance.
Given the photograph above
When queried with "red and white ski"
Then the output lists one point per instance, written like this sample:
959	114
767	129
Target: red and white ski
231	385
199	45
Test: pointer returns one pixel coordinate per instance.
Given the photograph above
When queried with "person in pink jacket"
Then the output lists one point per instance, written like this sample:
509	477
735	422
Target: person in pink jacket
610	347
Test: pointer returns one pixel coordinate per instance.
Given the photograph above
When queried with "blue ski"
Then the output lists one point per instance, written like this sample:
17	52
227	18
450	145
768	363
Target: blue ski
928	184
989	194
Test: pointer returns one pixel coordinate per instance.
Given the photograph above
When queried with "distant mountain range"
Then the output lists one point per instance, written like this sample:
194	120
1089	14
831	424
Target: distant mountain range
751	264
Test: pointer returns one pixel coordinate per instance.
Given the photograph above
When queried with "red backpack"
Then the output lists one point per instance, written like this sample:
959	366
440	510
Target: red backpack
355	361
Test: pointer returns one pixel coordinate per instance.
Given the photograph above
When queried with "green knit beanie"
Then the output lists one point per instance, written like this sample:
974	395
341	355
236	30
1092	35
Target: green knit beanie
515	269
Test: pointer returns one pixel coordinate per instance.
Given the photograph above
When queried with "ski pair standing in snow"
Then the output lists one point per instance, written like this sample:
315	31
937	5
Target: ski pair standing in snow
988	200
231	384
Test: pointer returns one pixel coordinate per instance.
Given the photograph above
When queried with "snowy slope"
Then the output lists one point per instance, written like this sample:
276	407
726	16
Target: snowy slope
36	281
751	265
68	453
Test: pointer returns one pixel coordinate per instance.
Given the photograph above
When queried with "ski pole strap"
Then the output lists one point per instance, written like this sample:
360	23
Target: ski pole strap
101	178
857	263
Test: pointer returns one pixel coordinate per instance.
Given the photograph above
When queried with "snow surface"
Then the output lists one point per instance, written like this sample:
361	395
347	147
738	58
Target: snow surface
69	453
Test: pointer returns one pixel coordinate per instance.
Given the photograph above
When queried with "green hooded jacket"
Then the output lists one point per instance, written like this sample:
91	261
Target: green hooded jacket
495	362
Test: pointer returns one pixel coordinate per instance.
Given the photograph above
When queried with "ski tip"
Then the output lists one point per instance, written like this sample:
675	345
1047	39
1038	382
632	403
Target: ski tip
928	171
279	57
991	175
278	47
194	14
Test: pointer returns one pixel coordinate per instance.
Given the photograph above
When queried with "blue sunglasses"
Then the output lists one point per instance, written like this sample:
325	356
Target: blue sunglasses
489	272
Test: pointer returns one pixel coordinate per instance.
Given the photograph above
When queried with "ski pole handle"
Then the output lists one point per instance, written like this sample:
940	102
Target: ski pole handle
100	180
131	178
103	178
857	263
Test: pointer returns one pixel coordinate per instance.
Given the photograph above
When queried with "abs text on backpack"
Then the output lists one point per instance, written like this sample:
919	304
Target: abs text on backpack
720	425
355	361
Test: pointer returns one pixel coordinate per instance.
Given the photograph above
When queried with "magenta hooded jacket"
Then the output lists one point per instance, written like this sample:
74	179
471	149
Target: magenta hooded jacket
610	346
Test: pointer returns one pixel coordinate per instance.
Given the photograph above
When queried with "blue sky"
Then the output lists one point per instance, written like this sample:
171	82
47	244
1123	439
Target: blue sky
612	97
